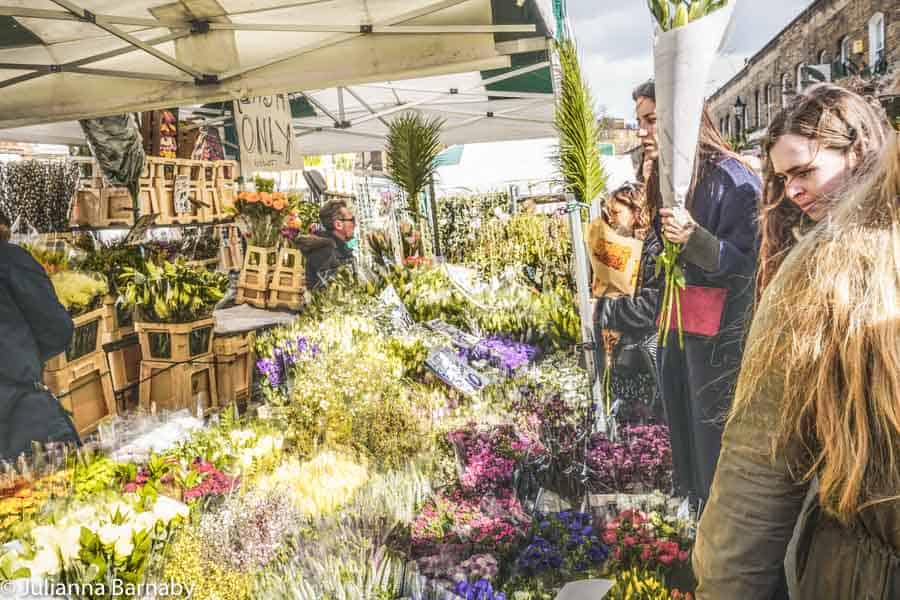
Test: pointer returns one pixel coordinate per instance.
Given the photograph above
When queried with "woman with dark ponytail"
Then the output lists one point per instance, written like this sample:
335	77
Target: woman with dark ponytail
33	327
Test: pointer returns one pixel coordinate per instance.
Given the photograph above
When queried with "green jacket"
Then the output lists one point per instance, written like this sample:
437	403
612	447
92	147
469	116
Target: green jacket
753	507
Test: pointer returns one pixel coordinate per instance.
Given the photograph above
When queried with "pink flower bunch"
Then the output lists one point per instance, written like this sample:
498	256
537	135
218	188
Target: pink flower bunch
140	480
488	522
642	457
490	456
214	482
634	540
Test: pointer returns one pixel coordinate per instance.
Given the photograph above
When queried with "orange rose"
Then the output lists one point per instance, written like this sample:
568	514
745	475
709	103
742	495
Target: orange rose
249	197
278	196
278	204
266	198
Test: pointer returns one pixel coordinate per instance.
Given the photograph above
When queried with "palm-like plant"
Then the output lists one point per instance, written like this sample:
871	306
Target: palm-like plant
413	145
579	130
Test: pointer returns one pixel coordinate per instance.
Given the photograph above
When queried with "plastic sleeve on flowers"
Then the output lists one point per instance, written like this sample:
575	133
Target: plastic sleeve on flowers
702	249
753	506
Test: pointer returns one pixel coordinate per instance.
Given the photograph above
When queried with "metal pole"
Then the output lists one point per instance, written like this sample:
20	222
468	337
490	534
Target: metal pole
584	299
435	236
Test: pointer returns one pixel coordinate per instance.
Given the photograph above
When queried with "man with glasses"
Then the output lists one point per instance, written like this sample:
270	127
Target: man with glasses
328	250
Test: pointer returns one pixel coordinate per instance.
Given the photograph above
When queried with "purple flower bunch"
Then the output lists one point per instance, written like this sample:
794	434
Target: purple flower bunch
480	590
643	457
562	543
504	354
286	353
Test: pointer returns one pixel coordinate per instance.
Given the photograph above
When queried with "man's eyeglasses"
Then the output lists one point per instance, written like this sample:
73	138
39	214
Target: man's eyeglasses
351	219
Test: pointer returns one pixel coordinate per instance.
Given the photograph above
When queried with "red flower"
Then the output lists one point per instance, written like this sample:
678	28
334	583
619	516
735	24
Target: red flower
630	540
646	553
609	537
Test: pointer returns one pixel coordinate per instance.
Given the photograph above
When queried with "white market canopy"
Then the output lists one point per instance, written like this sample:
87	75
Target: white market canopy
67	59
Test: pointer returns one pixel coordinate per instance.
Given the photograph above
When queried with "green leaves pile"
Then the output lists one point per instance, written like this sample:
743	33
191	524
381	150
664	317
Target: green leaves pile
172	292
671	14
539	247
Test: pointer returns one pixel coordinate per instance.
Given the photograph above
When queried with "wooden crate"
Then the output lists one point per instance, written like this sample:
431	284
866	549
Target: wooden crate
254	296
226	172
259	266
286	298
231	255
168	386
118	322
171	342
290	270
125	363
209	265
90	331
235	359
85	389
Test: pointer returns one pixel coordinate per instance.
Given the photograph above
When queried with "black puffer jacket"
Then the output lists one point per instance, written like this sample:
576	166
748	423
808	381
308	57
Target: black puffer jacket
324	254
33	328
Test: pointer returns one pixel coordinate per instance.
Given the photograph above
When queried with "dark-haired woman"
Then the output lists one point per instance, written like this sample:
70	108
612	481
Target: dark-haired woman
718	232
33	328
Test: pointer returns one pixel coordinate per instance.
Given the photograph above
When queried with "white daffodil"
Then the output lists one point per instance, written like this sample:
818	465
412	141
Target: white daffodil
108	534
44	563
167	509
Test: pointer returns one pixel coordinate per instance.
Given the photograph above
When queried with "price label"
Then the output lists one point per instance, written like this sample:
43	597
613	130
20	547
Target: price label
453	371
182	190
460	338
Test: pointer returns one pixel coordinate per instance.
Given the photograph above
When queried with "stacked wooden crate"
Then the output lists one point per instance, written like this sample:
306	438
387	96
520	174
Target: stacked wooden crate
177	366
235	358
80	376
287	289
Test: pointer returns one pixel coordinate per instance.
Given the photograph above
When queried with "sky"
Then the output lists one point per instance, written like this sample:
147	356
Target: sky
615	40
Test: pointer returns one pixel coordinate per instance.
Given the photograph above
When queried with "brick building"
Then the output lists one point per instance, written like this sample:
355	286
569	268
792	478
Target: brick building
834	38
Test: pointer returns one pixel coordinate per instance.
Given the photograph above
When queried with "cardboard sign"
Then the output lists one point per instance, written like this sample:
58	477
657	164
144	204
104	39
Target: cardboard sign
182	190
265	132
460	338
586	589
453	371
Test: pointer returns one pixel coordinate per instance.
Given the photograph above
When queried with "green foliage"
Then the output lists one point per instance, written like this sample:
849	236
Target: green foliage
172	292
537	246
264	185
547	319
413	144
579	131
671	14
78	292
93	475
110	261
460	219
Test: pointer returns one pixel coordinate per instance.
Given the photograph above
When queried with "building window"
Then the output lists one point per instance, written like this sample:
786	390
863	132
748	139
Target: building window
800	77
785	89
759	111
876	39
846	46
771	101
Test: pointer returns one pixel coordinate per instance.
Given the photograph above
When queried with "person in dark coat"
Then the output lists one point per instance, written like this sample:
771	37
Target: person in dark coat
635	398
34	327
327	249
719	238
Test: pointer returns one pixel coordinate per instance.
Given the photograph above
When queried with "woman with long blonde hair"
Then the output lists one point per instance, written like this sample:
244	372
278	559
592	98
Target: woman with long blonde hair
818	396
813	148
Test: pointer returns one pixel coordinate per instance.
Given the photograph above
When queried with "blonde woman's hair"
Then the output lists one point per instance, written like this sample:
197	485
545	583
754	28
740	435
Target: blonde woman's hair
834	118
826	340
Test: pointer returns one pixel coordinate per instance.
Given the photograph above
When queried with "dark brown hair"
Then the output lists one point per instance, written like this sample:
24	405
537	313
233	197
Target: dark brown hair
835	118
712	148
633	195
330	212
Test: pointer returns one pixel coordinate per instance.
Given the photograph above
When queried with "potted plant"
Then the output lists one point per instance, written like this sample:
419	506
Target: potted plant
174	305
413	145
265	214
82	296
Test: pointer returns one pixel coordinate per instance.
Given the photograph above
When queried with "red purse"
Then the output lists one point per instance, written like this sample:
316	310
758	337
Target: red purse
701	310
